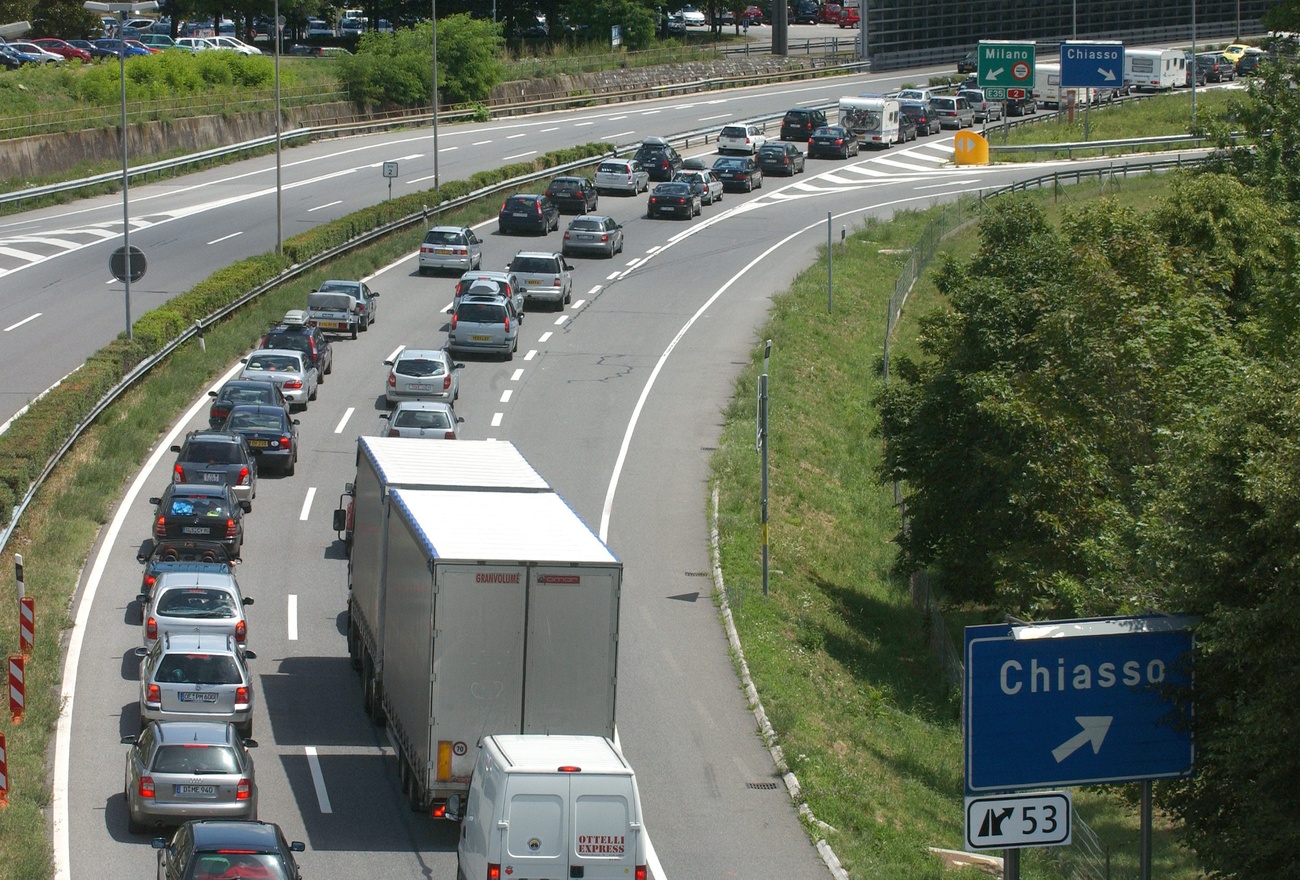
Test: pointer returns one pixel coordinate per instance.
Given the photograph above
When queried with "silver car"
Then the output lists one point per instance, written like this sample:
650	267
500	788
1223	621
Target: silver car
422	374
288	369
622	175
427	419
546	276
196	602
593	234
196	677
707	183
506	284
450	247
181	770
487	324
217	457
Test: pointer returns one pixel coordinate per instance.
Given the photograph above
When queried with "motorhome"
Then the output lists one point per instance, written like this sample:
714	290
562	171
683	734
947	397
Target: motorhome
873	119
1048	91
1155	70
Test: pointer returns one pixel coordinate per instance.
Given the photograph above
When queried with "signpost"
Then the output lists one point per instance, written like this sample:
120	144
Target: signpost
1092	65
1009	821
1002	65
1077	702
390	171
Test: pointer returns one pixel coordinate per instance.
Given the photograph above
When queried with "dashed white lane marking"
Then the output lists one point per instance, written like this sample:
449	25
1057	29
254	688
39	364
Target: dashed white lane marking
318	780
545	336
22	322
347	414
532	353
515	376
577	304
324	206
505	395
226	237
496	419
560	320
306	504
511	137
293	617
479	143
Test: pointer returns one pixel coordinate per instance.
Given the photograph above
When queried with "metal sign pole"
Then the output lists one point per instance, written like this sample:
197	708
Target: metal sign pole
1144	868
830	302
762	449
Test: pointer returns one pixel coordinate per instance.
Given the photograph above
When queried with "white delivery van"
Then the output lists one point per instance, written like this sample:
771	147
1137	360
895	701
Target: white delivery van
1155	70
872	118
553	807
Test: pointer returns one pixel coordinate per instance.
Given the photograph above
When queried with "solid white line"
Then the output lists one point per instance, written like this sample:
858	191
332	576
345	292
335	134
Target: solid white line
532	353
946	183
505	395
306	504
347	414
226	237
560	320
318	780
293	617
324	206
517	156
496	419
514	377
545	336
22	322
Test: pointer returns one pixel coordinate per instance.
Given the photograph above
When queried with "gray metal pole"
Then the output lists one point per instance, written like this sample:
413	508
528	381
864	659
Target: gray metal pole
435	87
279	189
126	185
1195	67
762	431
830	296
1011	864
1144	853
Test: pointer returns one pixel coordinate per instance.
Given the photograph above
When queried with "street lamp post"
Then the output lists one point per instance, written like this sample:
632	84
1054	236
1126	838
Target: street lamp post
279	189
122	10
434	4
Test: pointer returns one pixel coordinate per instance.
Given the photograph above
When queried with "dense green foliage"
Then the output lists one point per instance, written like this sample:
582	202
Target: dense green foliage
1105	421
174	74
397	68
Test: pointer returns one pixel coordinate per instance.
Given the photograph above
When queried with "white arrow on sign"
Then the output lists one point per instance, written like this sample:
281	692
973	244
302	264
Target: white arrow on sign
994	74
1108	74
1094	731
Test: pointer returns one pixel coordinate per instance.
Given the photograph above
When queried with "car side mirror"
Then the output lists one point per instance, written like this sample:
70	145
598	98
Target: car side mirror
129	740
250	655
155	501
298	846
141	651
158	843
176	448
460	420
243	360
294	421
212	394
248	600
385	416
246	506
340	520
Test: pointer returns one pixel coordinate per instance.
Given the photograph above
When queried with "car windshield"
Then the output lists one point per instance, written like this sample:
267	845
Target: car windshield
254	422
212	452
672	189
199	669
197	505
275	363
481	313
237	866
198	603
444	236
419	367
421	418
533	265
196	758
586	224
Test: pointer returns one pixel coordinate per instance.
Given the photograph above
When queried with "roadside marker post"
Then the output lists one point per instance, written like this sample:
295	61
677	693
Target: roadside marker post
17	696
4	773
26	625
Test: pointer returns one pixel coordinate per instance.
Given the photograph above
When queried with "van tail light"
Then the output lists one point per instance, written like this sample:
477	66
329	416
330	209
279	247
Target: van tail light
243	476
160	527
241	698
178	473
230	528
153	697
151	628
244	790
241	631
146	787
493	872
640	873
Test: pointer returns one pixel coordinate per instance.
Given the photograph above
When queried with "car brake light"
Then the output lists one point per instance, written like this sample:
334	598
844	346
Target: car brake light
241	631
230	528
160	527
493	872
284	441
243	476
241	697
393	432
556	281
151	628
146	786
293	383
153	696
446	382
538	205
392	380
453	320
149	581
507	322
243	790
178	473
450	435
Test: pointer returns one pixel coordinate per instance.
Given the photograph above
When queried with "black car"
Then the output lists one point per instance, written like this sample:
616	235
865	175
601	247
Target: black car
675	199
799	124
295	334
659	158
967	63
238	391
926	122
269	432
573	195
780	158
528	213
739	173
1027	106
906	128
227	848
188	556
95	51
835	141
803	12
203	511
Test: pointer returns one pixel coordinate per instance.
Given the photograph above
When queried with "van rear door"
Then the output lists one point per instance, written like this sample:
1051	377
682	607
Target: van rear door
536	833
606	828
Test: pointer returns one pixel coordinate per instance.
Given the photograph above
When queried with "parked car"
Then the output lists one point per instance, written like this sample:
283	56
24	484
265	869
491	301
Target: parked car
234	44
238	391
196	602
422	374
526	212
573	195
799	123
116	48
804	12
269	432
780	158
740	139
546	276
37	52
849	17
622	175
179	770
925	120
752	16
198	511
228	848
425	419
593	234
296	333
216	458
673	199
658	158
158	41
194	44
830	13
953	111
706	183
834	141
63	48
486	324
739	173
291	370
984	109
450	247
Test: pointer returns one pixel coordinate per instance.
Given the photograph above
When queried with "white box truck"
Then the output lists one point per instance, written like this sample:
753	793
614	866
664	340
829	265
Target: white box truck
500	616
551	806
386	463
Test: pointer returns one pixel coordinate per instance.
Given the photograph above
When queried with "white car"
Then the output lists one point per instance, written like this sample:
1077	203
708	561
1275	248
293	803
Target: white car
709	181
740	139
194	44
692	16
622	175
233	44
43	56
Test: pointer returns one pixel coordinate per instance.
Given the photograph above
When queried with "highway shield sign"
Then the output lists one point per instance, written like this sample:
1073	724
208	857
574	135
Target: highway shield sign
1010	821
1092	65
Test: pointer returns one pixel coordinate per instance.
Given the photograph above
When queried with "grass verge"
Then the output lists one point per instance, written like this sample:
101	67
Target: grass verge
837	652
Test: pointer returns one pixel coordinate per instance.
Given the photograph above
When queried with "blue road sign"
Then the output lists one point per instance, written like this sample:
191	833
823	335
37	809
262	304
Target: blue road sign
1077	702
1092	65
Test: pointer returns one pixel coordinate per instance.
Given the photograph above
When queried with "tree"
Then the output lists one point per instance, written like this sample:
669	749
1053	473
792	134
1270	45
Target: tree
397	68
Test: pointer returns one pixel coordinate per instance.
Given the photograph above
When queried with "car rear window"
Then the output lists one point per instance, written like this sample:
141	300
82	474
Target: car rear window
198	505
419	367
586	225
198	669
540	265
734	131
798	117
199	603
196	758
421	418
212	452
246	395
351	288
517	202
441	236
563	187
612	168
275	363
254	422
481	313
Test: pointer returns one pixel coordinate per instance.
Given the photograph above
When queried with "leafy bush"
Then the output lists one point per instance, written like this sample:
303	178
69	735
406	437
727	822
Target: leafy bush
397	68
171	74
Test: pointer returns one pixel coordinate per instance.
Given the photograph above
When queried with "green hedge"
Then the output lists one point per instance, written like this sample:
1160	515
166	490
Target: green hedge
37	435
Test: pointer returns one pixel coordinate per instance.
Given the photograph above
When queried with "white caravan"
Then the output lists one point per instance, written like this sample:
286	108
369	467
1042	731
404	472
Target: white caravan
872	118
1155	70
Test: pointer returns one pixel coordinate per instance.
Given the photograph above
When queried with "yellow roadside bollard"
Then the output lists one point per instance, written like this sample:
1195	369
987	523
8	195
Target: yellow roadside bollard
969	148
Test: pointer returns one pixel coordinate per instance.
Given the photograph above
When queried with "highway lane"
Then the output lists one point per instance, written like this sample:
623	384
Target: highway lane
58	303
574	387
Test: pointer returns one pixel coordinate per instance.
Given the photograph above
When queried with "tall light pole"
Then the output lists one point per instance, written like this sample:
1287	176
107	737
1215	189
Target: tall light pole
435	89
279	190
122	10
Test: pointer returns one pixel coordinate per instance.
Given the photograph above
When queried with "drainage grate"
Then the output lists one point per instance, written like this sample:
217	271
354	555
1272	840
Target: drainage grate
761	786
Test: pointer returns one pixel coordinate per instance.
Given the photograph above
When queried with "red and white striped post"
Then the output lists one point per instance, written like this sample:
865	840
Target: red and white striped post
4	773
17	696
26	625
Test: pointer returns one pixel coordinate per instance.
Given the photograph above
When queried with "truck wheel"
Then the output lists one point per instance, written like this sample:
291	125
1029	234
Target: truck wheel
354	655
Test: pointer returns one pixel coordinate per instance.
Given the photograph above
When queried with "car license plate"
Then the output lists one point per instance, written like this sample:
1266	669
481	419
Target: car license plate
416	387
584	237
333	325
195	530
212	478
481	338
533	281
259	444
196	697
195	790
442	252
